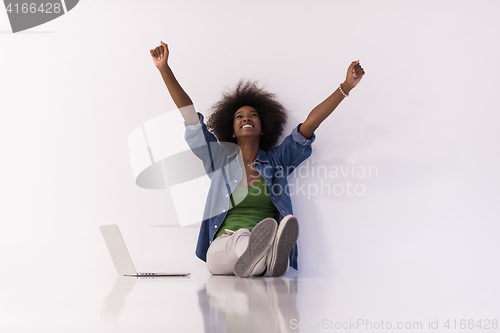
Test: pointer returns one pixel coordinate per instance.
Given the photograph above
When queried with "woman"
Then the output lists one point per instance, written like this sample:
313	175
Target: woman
248	225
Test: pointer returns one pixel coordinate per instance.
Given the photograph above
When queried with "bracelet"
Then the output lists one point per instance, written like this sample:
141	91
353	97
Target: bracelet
342	91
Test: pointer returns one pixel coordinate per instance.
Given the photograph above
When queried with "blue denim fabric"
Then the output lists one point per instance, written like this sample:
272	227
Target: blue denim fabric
223	165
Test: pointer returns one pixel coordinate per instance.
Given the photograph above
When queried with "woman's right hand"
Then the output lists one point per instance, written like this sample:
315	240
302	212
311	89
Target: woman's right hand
160	55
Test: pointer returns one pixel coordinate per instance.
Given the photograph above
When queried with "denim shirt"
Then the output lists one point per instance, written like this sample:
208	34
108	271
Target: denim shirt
224	166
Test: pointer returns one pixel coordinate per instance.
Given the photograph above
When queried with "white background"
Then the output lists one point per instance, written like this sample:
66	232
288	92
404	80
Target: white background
425	233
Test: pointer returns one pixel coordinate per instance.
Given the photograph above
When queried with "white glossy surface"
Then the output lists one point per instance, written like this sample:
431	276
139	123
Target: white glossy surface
204	303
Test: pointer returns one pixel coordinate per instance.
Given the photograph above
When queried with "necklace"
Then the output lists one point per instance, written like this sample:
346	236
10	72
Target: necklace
247	164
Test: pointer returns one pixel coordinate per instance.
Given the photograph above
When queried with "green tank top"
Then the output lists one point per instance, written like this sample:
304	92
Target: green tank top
250	206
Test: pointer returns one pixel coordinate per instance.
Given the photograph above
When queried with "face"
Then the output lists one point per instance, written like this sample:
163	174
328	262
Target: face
246	123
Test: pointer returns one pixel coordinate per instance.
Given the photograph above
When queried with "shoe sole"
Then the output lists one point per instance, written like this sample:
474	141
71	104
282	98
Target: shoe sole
261	239
285	240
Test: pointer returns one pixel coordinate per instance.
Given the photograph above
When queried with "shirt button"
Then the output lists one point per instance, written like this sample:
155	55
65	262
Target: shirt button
235	181
227	195
215	226
223	210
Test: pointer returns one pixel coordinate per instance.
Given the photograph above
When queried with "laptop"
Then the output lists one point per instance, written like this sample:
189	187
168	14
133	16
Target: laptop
121	258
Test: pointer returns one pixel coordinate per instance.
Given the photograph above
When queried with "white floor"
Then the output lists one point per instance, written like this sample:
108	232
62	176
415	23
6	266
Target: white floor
365	296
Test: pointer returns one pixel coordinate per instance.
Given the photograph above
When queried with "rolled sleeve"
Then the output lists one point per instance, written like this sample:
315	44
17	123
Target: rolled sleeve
193	128
189	114
294	149
300	139
195	136
196	126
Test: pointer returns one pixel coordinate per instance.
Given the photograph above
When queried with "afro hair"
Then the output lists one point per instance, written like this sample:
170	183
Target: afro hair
271	113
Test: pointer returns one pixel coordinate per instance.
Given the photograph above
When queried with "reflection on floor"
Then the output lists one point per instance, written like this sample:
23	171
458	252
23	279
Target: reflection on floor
226	303
359	298
248	305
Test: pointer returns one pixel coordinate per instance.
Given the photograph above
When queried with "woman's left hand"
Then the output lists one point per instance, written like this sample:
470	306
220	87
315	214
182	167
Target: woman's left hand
354	74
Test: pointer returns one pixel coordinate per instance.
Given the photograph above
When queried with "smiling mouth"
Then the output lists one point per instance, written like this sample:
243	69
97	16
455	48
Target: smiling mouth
247	126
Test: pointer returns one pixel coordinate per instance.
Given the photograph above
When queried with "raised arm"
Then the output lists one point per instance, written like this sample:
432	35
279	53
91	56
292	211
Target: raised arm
181	99
354	74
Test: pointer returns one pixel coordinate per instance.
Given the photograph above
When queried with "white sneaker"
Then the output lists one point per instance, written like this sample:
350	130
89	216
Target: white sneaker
261	239
286	237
